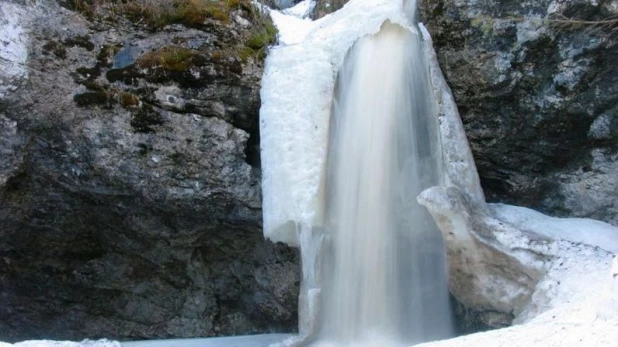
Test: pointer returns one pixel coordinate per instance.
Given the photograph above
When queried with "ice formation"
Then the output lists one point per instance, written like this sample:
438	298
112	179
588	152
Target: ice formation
262	340
297	93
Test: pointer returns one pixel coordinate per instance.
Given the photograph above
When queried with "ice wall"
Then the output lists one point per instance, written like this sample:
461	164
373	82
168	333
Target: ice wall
297	93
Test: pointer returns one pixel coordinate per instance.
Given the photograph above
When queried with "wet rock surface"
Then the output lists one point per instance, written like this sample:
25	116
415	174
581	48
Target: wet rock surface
537	90
129	180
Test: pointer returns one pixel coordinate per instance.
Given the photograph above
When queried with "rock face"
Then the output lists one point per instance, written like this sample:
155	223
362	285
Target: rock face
324	7
129	177
537	89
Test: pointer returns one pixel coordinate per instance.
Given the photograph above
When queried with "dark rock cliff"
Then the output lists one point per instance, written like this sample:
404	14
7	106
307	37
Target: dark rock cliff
537	87
129	174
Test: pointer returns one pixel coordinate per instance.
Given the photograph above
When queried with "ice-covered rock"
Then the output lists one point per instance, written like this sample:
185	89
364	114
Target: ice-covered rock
577	230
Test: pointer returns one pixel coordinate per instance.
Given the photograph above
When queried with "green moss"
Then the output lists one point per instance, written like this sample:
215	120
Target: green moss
170	58
94	86
246	53
159	13
484	23
257	41
263	37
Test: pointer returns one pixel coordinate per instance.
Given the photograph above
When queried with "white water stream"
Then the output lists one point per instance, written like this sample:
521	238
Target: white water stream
384	267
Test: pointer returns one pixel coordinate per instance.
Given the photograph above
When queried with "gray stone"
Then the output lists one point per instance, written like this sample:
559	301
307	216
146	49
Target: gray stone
130	202
537	95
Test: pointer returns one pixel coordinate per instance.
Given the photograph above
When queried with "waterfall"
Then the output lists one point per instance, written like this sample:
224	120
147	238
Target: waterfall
350	137
384	268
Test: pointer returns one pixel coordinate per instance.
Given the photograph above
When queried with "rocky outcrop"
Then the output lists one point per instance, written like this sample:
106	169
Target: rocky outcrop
536	86
129	175
324	7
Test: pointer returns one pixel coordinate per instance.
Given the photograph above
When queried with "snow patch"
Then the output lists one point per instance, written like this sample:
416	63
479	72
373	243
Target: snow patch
292	29
262	340
599	333
600	129
531	28
579	230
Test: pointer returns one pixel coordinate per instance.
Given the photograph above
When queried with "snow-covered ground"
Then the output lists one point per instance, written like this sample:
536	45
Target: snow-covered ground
578	230
592	334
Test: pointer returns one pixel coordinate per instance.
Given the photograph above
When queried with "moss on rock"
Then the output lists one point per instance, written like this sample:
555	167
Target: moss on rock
170	58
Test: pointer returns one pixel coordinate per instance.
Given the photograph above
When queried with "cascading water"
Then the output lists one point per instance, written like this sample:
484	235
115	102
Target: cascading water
384	280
